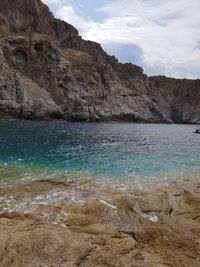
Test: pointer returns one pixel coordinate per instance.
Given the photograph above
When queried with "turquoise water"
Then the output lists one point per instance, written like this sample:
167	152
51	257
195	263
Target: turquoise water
34	150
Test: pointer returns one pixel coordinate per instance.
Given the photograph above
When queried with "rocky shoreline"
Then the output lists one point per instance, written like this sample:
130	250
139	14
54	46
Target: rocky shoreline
104	227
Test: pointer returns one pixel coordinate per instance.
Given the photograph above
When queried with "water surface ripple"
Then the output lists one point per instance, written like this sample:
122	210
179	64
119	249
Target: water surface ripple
139	152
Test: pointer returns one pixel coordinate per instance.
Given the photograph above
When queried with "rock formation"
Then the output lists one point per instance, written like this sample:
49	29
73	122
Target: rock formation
157	228
47	71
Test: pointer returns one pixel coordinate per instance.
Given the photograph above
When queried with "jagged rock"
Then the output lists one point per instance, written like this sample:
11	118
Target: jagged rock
48	71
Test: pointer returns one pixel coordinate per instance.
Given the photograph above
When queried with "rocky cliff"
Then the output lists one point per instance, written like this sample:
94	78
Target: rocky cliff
47	71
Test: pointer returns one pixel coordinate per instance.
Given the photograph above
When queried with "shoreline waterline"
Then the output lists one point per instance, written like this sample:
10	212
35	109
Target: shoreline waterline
27	196
99	195
155	227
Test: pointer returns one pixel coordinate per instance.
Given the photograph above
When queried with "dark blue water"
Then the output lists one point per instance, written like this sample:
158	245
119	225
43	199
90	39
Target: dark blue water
35	150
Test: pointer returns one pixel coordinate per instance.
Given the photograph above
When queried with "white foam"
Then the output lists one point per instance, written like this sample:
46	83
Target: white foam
151	217
109	205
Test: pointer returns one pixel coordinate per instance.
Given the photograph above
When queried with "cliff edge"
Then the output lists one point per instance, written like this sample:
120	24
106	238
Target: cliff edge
47	71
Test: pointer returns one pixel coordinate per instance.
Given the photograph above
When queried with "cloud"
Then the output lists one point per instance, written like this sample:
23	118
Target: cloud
127	53
164	33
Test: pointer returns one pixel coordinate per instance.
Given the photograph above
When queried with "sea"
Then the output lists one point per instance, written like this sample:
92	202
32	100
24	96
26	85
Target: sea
110	153
32	150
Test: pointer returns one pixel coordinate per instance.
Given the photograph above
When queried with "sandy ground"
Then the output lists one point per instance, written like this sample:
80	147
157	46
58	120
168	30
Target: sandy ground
89	226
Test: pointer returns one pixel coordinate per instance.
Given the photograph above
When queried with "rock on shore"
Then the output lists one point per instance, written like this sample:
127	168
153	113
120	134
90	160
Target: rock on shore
157	228
47	71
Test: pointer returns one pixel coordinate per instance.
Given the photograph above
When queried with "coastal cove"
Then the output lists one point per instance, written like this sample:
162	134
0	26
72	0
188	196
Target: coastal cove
99	194
99	159
121	156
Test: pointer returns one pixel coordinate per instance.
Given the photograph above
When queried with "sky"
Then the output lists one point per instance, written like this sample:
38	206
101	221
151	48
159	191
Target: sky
162	36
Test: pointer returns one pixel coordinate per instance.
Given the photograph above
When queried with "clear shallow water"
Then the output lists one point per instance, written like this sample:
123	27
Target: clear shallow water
32	150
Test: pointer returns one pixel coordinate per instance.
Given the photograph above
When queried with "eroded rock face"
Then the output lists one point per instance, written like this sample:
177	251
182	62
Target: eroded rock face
180	98
48	71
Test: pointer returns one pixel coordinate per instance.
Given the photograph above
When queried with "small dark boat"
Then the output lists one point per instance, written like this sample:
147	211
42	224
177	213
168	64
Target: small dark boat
197	131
